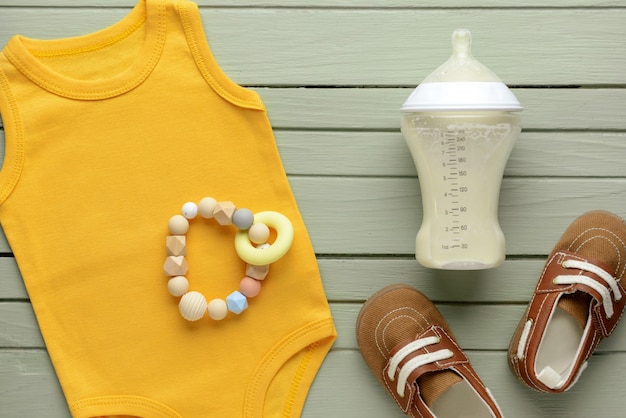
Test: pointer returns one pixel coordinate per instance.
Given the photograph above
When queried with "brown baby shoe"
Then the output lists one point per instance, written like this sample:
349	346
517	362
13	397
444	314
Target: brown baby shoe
410	349
578	301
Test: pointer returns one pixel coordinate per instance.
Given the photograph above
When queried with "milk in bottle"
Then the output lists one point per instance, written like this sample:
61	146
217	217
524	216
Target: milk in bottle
460	125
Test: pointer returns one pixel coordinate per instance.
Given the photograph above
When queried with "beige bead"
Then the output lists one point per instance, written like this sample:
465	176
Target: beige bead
223	212
176	245
206	207
257	272
192	306
178	225
175	266
217	309
178	286
259	233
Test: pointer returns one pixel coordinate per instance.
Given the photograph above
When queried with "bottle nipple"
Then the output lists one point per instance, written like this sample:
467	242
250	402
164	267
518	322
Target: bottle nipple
461	43
461	66
461	83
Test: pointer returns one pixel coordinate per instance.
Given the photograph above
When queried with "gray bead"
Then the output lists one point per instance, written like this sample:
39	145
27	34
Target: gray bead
243	218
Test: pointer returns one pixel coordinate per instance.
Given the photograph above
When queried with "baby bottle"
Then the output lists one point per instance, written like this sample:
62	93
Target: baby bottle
460	125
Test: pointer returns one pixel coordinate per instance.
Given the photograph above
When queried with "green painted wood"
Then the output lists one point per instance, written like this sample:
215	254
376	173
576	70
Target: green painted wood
532	211
381	154
344	387
598	109
384	154
411	4
380	46
29	387
378	108
476	326
19	327
349	279
334	107
11	283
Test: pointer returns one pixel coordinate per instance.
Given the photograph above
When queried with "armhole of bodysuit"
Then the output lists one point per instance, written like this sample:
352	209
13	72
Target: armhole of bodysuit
13	140
208	66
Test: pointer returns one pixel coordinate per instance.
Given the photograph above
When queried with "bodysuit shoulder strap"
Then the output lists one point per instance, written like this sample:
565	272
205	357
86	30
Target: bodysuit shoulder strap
13	143
206	63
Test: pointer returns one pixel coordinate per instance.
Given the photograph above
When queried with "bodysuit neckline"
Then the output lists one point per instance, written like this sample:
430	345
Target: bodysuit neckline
25	54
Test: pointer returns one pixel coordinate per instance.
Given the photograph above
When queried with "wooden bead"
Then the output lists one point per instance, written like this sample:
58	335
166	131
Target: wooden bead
178	225
217	309
259	233
175	266
178	285
190	210
192	306
176	245
249	287
223	212
257	272
206	207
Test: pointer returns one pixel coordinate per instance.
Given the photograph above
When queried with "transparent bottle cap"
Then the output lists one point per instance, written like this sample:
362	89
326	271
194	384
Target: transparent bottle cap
462	83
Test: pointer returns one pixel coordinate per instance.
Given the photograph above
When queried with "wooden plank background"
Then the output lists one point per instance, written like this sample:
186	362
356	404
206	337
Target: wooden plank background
333	74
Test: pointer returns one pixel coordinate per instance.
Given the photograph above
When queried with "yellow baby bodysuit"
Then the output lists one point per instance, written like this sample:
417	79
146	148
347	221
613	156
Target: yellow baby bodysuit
107	136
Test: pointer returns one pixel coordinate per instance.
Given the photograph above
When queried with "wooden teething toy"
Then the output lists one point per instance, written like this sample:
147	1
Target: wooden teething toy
250	244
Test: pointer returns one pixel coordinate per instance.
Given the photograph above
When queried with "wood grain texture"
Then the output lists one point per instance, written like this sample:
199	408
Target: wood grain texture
476	326
437	4
567	109
375	109
333	74
380	47
344	387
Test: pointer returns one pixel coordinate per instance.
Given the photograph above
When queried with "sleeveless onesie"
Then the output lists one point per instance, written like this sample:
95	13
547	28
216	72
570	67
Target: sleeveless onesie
107	135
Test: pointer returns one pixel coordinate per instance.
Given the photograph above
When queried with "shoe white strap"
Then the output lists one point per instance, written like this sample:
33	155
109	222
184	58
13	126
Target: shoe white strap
416	362
602	290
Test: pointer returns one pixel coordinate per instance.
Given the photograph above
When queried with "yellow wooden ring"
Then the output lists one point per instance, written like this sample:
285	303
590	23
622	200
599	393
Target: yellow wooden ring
263	256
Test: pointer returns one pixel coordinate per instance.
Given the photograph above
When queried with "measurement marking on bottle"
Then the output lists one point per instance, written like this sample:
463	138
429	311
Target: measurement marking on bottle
455	165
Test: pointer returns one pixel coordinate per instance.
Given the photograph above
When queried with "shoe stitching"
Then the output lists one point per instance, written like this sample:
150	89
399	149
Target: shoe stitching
543	273
529	380
472	372
594	342
411	390
607	238
530	338
451	363
386	325
600	323
619	255
541	307
465	364
454	343
411	393
517	370
616	322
